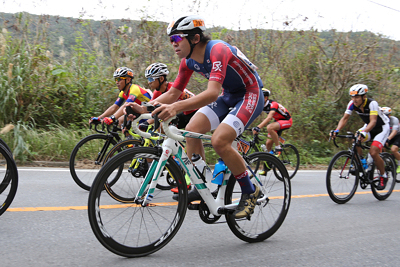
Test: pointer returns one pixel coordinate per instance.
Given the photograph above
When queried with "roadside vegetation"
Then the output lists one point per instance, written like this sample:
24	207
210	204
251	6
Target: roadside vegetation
55	73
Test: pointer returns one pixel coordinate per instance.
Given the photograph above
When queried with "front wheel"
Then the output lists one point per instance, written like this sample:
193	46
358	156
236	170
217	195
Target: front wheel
87	158
342	177
272	206
8	178
130	229
390	169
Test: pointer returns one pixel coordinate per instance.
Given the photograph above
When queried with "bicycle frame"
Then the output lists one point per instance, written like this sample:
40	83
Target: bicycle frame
171	147
355	156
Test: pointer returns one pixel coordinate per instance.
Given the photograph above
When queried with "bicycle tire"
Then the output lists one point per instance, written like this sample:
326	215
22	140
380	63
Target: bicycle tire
391	173
84	155
341	188
268	216
2	142
9	180
131	230
290	157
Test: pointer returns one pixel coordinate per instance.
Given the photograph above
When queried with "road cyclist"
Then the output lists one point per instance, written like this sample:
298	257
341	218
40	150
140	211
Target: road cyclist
156	75
282	121
129	92
226	67
376	127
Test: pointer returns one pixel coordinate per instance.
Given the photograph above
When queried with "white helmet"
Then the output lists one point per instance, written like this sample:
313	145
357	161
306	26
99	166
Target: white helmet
386	110
358	89
156	70
187	24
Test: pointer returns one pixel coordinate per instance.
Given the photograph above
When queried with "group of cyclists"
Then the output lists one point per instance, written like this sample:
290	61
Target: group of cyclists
229	113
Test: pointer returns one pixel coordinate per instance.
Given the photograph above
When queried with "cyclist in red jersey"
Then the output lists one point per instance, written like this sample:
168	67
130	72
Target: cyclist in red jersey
229	113
282	118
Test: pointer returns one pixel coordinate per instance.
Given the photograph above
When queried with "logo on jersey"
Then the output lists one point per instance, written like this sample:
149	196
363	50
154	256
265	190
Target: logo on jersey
251	102
196	67
213	105
217	66
236	124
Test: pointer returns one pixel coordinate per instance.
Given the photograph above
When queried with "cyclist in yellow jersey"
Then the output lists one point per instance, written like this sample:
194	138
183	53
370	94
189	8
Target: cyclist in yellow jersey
128	93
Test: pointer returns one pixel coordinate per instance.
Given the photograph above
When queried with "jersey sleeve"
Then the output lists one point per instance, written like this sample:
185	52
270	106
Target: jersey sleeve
120	100
374	108
156	94
220	55
350	108
395	125
184	75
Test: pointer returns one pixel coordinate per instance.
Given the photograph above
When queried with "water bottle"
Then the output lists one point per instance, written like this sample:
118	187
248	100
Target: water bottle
264	148
202	167
364	163
219	171
370	161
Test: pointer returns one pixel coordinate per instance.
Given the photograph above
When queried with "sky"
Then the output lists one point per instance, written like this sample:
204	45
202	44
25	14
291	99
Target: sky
378	16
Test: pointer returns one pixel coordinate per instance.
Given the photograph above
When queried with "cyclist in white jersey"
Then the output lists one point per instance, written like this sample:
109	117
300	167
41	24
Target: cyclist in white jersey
394	137
376	126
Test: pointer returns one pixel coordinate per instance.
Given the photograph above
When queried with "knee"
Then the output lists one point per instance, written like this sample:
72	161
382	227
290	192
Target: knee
394	149
220	144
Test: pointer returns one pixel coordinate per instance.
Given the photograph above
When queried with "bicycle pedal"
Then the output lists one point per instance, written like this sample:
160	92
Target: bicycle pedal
193	206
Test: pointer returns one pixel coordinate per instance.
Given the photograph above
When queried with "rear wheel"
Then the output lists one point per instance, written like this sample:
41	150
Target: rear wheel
290	158
342	177
390	168
272	206
130	229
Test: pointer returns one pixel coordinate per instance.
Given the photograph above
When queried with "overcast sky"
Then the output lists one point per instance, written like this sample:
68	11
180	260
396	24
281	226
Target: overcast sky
378	16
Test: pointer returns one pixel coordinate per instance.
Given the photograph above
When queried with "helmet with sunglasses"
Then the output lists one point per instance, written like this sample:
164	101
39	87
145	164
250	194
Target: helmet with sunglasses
358	89
156	70
123	72
386	110
266	92
188	24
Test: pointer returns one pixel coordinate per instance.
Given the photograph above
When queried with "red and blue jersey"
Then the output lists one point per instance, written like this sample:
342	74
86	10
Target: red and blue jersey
223	63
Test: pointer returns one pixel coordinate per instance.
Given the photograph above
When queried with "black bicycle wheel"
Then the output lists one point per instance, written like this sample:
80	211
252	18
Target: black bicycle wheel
2	142
83	164
390	168
8	178
290	158
272	206
342	177
130	229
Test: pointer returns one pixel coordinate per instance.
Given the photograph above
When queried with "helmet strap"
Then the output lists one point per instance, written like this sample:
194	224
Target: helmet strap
160	83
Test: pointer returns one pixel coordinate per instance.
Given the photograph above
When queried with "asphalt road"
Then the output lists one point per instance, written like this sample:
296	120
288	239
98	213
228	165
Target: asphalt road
47	225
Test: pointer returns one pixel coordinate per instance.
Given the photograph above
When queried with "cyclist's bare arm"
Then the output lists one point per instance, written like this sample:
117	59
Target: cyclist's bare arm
343	121
267	119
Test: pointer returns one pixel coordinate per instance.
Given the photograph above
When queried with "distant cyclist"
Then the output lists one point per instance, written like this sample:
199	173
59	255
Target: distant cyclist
129	92
394	136
283	121
376	126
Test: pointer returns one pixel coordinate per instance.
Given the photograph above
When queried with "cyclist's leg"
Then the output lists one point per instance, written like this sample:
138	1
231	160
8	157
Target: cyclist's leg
377	145
246	109
199	124
395	150
273	129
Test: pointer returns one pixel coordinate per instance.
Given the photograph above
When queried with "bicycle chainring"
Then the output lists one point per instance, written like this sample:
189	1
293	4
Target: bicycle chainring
205	214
